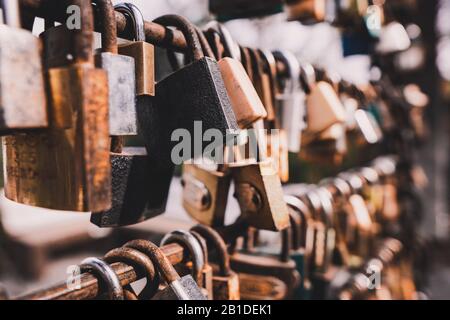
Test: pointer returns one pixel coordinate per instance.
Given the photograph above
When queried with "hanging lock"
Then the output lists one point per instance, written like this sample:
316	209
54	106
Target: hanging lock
260	195
121	75
21	75
225	280
323	106
292	102
201	272
136	196
66	167
247	105
184	288
205	194
261	263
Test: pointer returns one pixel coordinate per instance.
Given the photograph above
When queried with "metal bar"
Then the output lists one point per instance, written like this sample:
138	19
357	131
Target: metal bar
89	287
156	34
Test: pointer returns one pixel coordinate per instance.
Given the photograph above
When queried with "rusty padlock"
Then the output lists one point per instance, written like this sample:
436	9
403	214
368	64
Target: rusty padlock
225	280
66	167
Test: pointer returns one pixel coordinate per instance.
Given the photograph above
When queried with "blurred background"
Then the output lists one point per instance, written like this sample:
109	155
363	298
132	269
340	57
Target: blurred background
41	237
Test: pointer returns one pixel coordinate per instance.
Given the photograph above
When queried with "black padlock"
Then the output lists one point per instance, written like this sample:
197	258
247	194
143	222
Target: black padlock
194	93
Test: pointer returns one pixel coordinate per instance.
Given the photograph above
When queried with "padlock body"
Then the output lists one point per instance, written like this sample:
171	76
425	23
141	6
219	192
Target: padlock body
122	93
144	56
272	213
65	169
131	182
22	82
205	194
324	108
247	105
195	93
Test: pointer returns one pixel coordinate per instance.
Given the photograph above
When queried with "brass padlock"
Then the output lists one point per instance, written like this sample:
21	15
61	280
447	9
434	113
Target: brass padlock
225	280
66	168
142	52
260	195
205	194
324	108
21	75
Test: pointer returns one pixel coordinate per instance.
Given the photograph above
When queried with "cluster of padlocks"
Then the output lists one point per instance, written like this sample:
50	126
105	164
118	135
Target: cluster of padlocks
92	130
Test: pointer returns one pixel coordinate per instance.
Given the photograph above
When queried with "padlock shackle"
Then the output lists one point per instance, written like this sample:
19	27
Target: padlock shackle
139	261
206	48
108	27
232	50
194	51
133	13
193	247
159	259
105	273
215	241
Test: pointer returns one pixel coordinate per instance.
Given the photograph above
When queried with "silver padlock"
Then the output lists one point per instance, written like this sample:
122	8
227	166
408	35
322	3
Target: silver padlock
292	101
23	103
121	76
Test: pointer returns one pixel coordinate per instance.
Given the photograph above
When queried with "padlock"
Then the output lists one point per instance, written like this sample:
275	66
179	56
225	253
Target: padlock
104	271
225	280
178	104
260	195
262	80
142	264
21	75
262	263
136	194
141	51
207	270
205	194
121	75
306	11
66	168
292	101
247	105
324	108
184	288
195	253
